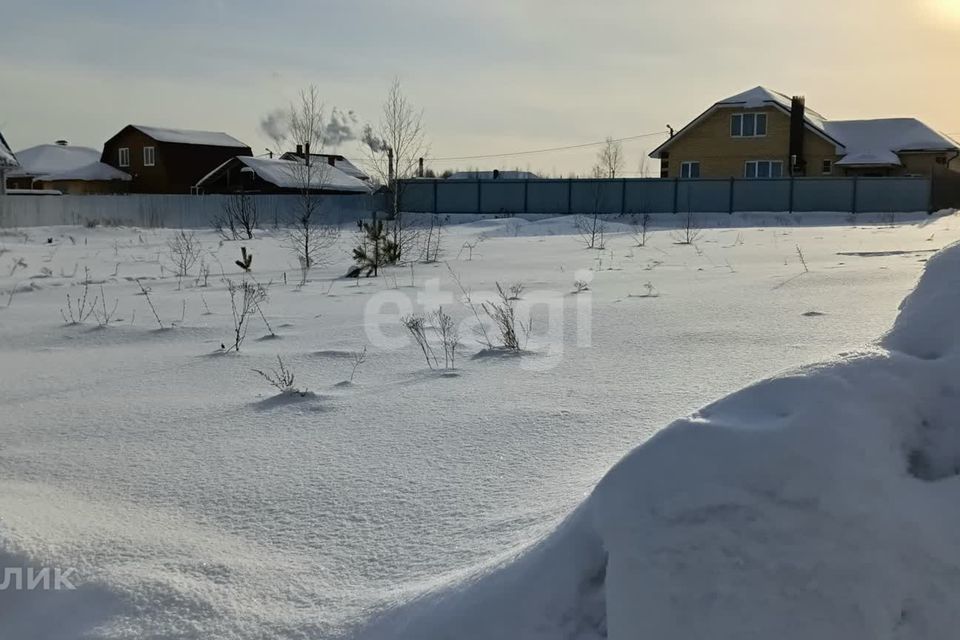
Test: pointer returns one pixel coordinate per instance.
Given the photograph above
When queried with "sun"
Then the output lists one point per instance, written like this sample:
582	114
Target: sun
945	8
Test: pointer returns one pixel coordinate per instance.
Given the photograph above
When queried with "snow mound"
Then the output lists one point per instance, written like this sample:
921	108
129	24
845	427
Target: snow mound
821	503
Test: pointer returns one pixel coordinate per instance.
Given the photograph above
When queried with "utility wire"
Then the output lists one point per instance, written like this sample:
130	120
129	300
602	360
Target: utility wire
572	146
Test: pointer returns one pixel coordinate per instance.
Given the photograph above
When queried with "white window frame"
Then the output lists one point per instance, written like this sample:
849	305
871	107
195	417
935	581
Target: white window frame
827	167
770	164
755	117
123	156
687	169
152	161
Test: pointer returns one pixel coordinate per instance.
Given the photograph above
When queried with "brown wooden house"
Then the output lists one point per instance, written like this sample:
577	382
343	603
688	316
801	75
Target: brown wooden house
169	160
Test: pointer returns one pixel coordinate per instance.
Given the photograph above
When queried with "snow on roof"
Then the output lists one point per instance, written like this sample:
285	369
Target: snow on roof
54	158
860	142
755	98
288	174
7	159
877	142
93	171
188	136
338	161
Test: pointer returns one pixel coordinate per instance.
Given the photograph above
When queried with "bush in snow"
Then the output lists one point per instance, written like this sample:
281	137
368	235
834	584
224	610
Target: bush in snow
245	299
281	378
513	332
183	251
689	231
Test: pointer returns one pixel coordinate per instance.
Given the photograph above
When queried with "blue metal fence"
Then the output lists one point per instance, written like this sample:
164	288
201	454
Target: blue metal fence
646	195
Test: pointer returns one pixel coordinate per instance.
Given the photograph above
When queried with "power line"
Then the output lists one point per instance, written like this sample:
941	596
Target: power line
572	146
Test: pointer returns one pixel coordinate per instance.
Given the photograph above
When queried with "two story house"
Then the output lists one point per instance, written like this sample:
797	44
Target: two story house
169	160
765	134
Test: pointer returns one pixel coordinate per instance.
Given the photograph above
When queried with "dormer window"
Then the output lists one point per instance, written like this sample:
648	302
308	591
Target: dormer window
748	125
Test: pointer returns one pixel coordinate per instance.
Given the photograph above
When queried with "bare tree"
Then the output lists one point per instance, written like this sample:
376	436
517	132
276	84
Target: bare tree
184	251
610	158
238	217
245	299
641	228
308	238
394	148
689	231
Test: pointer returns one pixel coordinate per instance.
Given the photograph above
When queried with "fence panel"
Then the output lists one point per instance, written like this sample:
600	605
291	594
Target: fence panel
548	196
703	196
883	195
176	211
823	194
502	196
596	196
761	195
649	195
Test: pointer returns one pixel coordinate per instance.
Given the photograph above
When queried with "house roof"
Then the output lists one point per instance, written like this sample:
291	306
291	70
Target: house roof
190	136
861	142
7	159
288	174
93	171
878	142
338	161
755	98
53	158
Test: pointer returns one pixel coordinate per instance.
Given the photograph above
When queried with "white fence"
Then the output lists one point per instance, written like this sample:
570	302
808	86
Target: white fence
179	211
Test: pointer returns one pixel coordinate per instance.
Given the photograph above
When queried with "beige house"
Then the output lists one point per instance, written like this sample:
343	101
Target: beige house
764	134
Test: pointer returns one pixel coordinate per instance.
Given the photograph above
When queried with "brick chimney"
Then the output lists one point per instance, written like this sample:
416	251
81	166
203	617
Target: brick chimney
798	130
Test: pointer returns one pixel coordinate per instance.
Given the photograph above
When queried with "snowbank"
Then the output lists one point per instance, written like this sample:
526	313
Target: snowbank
822	503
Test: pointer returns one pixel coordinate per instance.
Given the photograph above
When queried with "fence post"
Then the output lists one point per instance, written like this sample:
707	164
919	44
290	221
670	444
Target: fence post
733	181
435	188
676	187
853	203
479	196
569	195
790	203
623	196
526	189
930	194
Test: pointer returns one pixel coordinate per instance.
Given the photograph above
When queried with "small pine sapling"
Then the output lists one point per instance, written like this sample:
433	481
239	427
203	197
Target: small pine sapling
246	259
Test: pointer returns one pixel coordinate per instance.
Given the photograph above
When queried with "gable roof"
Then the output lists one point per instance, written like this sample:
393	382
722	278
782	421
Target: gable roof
287	174
338	161
860	142
755	98
53	158
190	136
7	159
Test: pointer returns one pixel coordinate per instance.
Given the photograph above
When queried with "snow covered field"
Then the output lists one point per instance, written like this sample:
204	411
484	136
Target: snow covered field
192	503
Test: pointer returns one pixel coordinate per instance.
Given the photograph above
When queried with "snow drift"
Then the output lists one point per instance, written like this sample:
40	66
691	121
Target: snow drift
822	503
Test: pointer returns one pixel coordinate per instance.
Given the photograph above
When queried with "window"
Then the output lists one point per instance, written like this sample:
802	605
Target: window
123	156
827	167
149	156
690	169
763	169
748	125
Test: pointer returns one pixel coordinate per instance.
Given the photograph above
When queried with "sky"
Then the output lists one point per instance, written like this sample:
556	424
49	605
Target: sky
492	77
